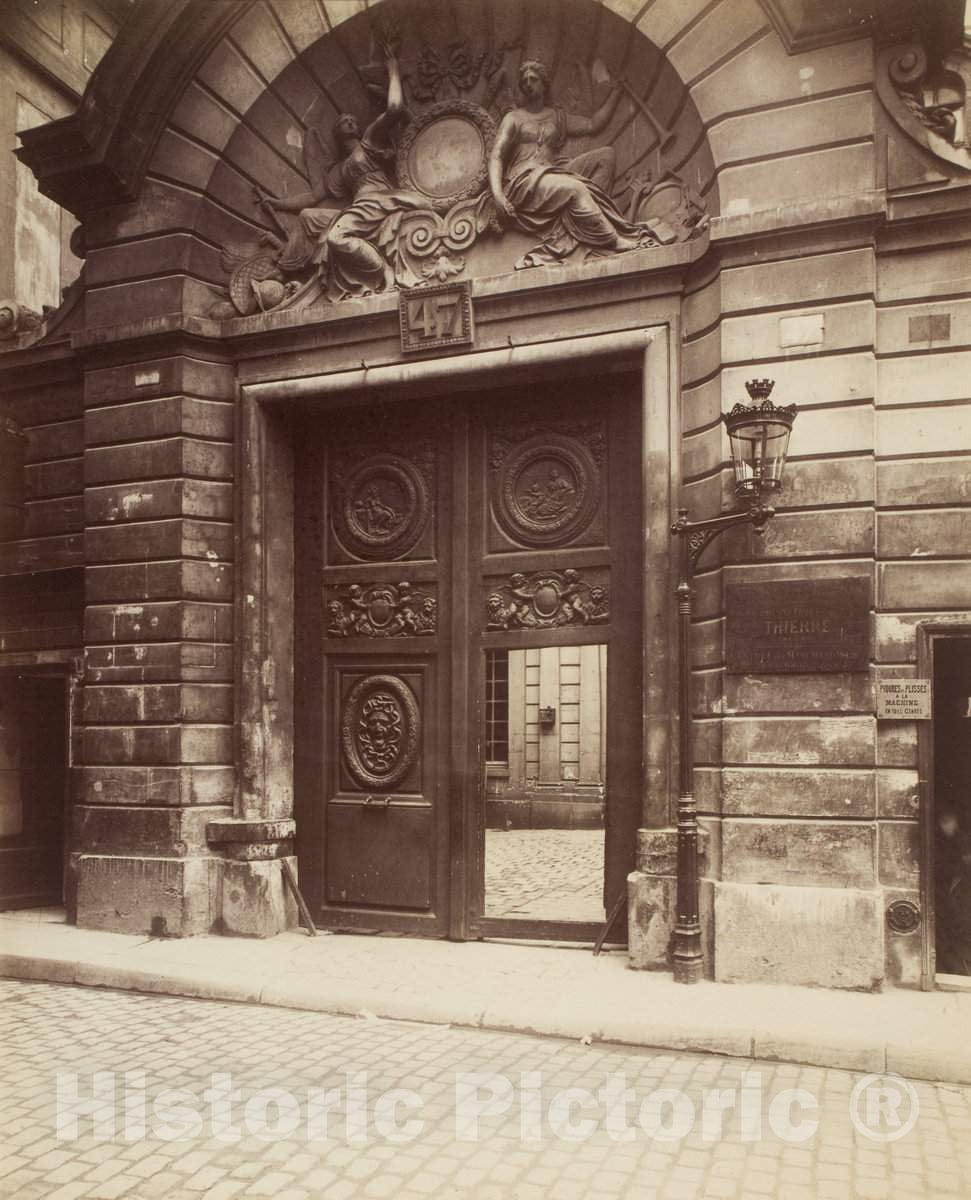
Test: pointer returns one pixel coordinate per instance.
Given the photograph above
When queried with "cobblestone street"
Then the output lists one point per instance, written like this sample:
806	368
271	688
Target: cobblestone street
271	1136
545	874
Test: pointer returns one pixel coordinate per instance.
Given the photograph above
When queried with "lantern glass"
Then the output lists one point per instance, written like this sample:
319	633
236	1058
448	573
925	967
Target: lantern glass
759	438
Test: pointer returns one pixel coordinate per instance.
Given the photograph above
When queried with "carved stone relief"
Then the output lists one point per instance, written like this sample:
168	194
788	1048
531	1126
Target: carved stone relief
380	731
547	600
926	89
380	503
382	610
469	144
546	485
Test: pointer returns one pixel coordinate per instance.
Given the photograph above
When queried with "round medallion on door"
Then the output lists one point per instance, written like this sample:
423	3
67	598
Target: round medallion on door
547	491
380	731
382	508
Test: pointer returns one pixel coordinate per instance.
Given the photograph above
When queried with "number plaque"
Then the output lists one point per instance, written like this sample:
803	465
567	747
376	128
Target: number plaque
431	317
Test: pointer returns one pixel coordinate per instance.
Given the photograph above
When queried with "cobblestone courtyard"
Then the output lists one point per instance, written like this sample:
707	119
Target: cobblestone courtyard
424	1143
545	874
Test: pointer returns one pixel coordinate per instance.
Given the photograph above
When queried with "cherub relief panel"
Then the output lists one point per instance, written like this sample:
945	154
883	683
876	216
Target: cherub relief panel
468	148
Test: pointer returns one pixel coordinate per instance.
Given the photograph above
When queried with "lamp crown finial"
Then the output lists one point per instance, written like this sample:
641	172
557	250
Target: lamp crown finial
759	389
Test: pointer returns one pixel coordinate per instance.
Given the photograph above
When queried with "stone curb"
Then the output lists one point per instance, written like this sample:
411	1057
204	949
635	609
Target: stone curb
861	1051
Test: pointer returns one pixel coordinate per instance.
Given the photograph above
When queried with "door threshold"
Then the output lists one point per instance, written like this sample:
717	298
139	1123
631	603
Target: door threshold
517	930
953	983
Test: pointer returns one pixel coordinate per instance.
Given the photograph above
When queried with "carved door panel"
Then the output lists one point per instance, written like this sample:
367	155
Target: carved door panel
556	549
372	669
427	535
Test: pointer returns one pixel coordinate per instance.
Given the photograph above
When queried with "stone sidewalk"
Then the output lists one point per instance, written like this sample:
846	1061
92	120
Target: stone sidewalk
559	991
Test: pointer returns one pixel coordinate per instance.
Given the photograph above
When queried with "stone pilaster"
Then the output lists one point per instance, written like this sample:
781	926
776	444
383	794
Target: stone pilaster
156	762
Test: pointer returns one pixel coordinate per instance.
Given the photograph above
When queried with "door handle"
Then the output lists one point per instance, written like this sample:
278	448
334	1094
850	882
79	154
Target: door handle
377	801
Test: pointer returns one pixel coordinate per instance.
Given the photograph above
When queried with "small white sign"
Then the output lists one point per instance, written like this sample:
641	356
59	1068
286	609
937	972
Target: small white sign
903	699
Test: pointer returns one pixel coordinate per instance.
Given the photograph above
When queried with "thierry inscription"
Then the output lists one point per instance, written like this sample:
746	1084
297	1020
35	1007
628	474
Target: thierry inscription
798	626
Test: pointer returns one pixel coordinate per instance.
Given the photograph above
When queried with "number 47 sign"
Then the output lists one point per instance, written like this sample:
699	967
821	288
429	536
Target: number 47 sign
435	316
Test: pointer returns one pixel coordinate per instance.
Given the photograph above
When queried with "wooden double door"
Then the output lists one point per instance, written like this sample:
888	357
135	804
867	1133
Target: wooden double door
429	533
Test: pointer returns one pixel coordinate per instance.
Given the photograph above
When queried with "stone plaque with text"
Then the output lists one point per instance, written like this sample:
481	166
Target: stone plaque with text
433	317
798	626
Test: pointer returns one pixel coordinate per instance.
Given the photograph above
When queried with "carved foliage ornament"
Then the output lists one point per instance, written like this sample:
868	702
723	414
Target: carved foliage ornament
381	611
547	488
380	506
380	731
547	600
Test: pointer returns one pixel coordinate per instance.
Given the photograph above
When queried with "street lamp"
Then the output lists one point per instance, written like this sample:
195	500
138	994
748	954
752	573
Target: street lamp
759	438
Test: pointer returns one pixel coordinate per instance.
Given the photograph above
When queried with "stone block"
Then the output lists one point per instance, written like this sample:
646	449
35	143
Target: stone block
904	958
161	897
916	431
808	125
174	579
822	854
815	380
786	792
161	498
794	741
924	585
254	900
163	621
155	785
701	453
159	662
803	280
927	481
818	937
899	853
169	457
174	376
701	357
763	73
701	405
921	534
141	830
713	39
167	416
60	440
923	378
897	744
144	541
846	692
898	793
833	327
157	744
157	703
54	479
652	914
835	171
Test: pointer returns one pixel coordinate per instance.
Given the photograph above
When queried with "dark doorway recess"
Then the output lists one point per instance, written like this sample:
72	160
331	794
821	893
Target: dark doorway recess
951	844
33	786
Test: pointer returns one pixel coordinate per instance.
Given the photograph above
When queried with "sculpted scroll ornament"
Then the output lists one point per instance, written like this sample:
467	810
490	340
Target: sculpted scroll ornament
547	600
380	731
395	206
929	96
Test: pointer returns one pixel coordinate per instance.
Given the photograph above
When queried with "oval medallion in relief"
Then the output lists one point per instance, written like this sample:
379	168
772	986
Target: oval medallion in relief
380	731
382	508
547	491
